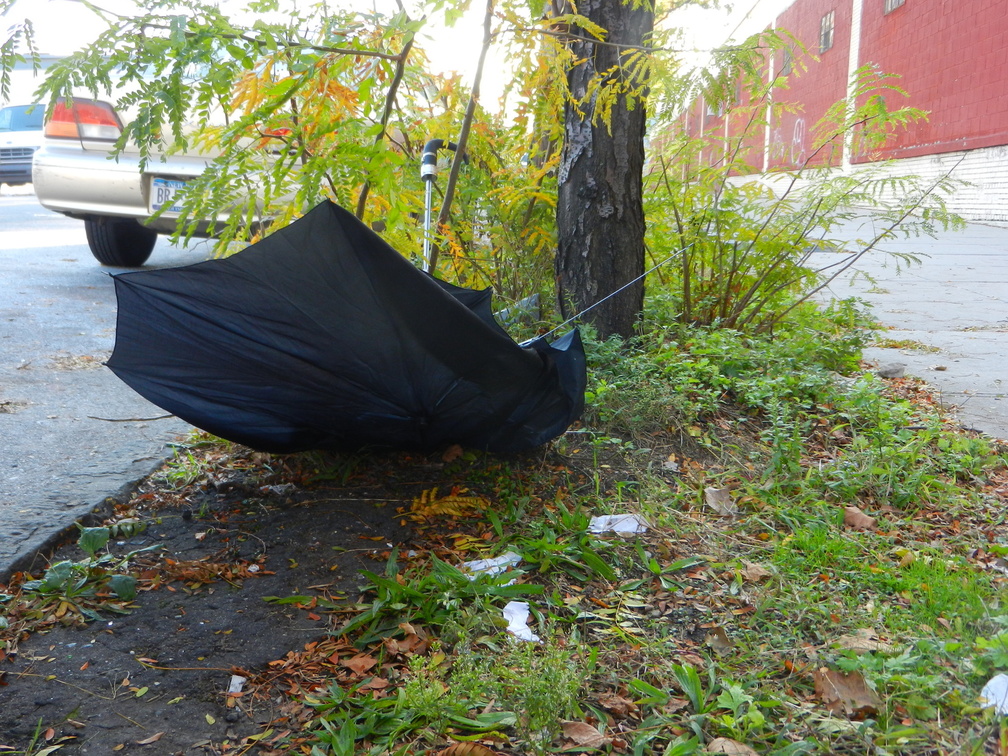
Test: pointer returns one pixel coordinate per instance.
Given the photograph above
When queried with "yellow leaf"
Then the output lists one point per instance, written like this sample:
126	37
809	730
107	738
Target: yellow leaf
429	504
209	718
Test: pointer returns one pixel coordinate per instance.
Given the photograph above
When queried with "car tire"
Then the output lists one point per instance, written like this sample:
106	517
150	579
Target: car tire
120	242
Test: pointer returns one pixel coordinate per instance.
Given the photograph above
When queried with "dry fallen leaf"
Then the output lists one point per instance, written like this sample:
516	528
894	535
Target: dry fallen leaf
718	641
675	704
452	453
466	749
617	705
583	734
907	557
862	640
152	739
729	746
360	663
720	500
858	520
845	693
753	573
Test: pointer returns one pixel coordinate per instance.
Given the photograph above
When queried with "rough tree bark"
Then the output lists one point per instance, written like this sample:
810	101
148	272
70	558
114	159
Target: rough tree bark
600	213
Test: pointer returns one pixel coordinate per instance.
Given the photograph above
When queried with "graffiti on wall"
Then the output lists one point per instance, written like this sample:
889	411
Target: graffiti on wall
791	152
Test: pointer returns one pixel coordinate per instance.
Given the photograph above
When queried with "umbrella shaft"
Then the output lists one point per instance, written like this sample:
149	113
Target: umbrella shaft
428	199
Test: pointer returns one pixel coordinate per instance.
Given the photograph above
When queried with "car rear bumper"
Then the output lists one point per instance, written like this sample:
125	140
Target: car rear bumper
87	183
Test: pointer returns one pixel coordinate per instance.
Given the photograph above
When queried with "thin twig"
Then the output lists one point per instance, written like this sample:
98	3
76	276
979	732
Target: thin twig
129	419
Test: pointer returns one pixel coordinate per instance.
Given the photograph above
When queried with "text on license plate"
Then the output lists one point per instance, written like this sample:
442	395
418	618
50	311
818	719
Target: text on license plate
163	193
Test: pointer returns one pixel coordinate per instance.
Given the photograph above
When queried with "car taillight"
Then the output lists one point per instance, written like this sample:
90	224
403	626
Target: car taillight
83	119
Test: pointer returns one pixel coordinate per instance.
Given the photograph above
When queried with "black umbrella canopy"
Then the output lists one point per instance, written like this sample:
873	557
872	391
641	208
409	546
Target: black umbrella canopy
323	336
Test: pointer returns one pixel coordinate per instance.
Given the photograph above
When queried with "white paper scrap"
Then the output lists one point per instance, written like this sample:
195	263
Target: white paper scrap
517	615
494	566
237	682
621	523
995	693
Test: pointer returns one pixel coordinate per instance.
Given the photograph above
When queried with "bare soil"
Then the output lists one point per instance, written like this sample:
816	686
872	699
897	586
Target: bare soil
156	680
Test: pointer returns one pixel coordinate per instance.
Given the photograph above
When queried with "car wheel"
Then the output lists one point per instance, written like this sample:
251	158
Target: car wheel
121	242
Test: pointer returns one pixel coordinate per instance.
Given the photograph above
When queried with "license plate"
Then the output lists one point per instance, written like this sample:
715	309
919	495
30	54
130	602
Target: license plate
163	193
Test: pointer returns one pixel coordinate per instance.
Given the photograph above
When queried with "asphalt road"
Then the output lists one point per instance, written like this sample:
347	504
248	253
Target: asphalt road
71	433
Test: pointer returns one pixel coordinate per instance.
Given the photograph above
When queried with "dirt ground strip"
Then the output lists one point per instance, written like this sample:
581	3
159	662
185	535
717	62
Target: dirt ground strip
156	680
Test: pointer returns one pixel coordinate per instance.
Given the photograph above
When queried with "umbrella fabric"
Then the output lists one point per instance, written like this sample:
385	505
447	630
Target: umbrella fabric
323	336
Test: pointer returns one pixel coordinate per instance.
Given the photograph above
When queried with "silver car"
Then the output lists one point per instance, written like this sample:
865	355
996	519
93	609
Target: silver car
74	174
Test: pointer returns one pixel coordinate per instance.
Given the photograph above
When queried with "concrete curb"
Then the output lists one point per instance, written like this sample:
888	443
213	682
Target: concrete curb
34	552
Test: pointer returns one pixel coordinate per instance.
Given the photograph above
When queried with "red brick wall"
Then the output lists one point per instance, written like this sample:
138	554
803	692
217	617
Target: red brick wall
953	60
746	117
825	82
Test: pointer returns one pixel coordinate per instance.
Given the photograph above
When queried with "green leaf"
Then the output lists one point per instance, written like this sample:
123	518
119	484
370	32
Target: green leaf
598	565
123	586
652	695
178	31
296	599
486	722
689	681
686	562
56	577
93	539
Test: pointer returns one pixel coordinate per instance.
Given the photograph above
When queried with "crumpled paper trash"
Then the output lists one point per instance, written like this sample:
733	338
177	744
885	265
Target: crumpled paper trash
517	615
995	693
622	524
494	566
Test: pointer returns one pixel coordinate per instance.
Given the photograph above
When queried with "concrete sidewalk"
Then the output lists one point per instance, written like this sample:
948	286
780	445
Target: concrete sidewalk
949	316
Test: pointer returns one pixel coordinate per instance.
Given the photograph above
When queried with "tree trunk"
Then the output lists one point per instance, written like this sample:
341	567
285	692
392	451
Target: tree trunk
600	213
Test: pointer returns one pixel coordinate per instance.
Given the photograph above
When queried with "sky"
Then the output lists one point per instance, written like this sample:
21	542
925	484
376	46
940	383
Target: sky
62	26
